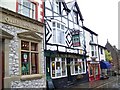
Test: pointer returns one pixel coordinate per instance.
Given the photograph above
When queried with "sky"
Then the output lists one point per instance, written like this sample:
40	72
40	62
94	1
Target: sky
101	16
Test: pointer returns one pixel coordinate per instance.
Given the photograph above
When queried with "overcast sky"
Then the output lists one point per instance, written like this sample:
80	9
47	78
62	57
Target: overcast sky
101	16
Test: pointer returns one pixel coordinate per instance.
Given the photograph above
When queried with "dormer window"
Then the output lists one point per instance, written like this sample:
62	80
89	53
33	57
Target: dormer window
56	7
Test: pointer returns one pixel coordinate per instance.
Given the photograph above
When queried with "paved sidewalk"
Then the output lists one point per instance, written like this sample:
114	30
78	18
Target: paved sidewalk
96	84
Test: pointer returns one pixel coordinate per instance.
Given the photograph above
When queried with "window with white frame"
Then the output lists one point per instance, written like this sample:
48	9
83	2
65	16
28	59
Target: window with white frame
101	50
58	67
27	8
92	38
58	33
56	6
93	50
77	66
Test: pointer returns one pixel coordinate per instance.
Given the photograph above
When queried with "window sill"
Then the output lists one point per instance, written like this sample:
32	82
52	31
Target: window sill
59	77
29	77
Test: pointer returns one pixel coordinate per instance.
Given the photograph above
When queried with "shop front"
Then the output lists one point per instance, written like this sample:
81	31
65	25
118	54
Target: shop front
65	69
94	71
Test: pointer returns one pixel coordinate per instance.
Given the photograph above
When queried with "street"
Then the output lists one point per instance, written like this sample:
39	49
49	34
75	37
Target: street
112	82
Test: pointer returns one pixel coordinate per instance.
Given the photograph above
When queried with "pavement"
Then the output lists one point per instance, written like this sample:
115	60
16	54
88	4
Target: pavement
98	83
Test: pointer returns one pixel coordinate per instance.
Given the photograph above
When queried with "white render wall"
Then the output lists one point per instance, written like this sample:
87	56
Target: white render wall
57	18
88	46
8	4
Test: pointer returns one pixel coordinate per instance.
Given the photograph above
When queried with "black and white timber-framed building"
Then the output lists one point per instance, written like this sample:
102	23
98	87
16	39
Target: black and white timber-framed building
65	52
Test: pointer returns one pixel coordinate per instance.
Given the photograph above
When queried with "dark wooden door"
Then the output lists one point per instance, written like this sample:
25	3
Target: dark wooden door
68	69
1	63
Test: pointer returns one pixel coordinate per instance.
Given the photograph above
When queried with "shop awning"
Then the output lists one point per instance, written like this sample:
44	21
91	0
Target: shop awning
105	65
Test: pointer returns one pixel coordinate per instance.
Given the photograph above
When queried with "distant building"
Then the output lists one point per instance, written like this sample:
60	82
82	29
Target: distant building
115	56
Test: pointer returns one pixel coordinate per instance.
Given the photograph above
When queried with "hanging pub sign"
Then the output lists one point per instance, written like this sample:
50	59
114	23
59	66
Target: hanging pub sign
76	38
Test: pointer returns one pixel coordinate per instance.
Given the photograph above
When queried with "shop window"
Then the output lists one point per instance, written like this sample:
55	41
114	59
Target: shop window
58	67
58	33
29	58
77	66
27	8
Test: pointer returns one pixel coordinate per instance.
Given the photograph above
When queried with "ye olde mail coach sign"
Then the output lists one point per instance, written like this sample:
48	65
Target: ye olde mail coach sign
19	21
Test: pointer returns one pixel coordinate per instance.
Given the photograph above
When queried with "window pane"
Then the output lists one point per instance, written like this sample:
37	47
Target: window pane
19	8
96	70
34	47
63	67
91	70
34	63
26	3
92	53
72	67
53	24
53	69
25	63
62	37
24	45
92	48
62	27
58	69
26	11
58	36
54	35
80	67
33	10
83	63
76	66
58	25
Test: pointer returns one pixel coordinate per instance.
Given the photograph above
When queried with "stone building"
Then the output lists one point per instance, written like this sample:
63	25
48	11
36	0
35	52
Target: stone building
115	56
21	48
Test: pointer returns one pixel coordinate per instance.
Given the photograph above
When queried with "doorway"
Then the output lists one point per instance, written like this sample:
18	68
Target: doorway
68	69
1	64
94	72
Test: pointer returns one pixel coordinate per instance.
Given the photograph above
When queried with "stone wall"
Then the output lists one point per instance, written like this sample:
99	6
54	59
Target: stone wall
14	60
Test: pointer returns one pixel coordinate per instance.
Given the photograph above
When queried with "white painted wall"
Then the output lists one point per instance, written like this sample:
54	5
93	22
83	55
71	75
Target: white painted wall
8	4
88	46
